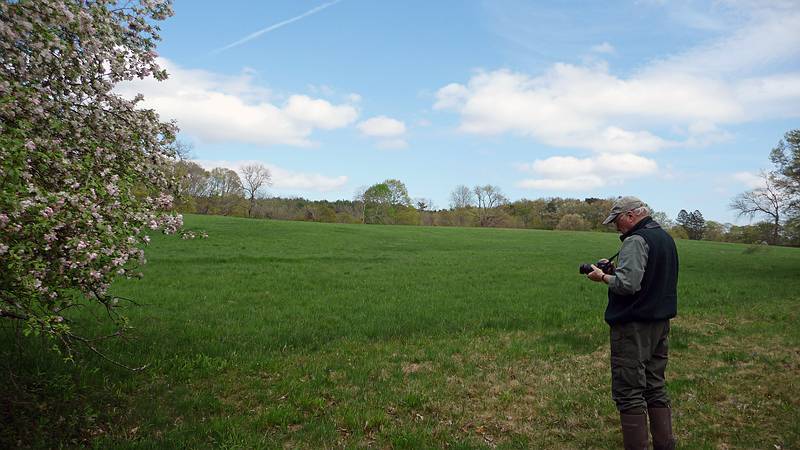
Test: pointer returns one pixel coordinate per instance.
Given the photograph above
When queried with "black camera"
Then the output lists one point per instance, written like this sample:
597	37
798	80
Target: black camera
606	265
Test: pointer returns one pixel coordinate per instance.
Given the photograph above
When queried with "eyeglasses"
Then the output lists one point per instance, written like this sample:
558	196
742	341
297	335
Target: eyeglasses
620	215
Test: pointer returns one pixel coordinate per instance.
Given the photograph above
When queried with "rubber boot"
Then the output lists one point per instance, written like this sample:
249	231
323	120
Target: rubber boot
661	428
634	431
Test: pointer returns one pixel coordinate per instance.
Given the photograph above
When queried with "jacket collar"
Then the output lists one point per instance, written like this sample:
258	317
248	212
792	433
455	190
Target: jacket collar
642	223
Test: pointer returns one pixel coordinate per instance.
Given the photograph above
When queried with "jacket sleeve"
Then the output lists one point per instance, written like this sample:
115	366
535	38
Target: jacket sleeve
627	279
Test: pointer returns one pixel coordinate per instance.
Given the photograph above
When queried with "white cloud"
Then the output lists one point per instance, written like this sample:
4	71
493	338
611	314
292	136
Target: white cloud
220	108
605	47
284	178
319	113
321	89
326	91
576	174
387	130
682	100
451	96
392	144
769	36
748	179
382	126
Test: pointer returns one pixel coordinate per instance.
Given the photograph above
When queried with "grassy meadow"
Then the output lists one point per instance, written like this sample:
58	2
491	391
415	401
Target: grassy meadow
306	335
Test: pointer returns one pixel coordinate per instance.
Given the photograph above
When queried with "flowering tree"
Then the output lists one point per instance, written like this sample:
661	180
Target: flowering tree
82	170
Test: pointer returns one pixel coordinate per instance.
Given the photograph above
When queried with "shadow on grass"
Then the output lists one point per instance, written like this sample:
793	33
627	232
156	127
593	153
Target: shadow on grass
47	402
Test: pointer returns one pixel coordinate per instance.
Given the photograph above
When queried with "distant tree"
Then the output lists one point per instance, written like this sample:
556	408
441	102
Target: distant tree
462	217
225	190
254	178
791	232
377	204
697	225
405	215
398	194
678	232
551	212
682	219
382	202
359	203
778	198
182	149
425	211
693	223
663	219
769	201
191	183
461	197
595	210
195	180
714	231
324	213
572	222
757	233
488	198
786	159
521	211
423	204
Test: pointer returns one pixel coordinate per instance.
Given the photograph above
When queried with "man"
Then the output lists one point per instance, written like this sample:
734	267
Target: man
642	298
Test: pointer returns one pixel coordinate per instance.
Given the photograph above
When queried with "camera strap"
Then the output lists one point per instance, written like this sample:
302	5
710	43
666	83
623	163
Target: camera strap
615	255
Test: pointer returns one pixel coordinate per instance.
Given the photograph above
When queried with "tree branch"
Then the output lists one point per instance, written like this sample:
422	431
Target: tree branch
12	315
94	350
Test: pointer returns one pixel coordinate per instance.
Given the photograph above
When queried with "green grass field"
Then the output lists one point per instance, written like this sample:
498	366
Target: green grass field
305	335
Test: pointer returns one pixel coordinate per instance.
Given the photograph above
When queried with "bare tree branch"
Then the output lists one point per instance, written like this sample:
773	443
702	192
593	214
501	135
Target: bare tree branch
254	177
768	201
88	344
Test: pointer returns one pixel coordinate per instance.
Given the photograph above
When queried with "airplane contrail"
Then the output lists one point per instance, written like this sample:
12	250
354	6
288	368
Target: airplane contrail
276	26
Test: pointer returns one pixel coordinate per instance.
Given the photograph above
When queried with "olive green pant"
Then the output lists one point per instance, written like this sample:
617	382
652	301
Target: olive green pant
639	352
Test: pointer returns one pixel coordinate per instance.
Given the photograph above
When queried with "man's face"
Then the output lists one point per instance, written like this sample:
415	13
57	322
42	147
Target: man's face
623	222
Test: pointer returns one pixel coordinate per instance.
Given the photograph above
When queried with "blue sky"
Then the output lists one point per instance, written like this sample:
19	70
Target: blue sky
676	102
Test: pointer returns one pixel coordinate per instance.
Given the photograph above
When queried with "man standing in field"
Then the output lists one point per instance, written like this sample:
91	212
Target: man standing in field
642	298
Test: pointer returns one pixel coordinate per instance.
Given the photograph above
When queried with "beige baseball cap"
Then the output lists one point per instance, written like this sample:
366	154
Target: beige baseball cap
623	205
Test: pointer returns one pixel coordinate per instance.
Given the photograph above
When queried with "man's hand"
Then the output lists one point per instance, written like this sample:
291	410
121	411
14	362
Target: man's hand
596	274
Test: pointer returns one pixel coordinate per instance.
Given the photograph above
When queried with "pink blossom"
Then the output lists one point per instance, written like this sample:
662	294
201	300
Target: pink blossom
133	160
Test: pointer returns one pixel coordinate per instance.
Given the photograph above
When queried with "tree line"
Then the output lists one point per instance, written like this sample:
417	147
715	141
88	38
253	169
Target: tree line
225	192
